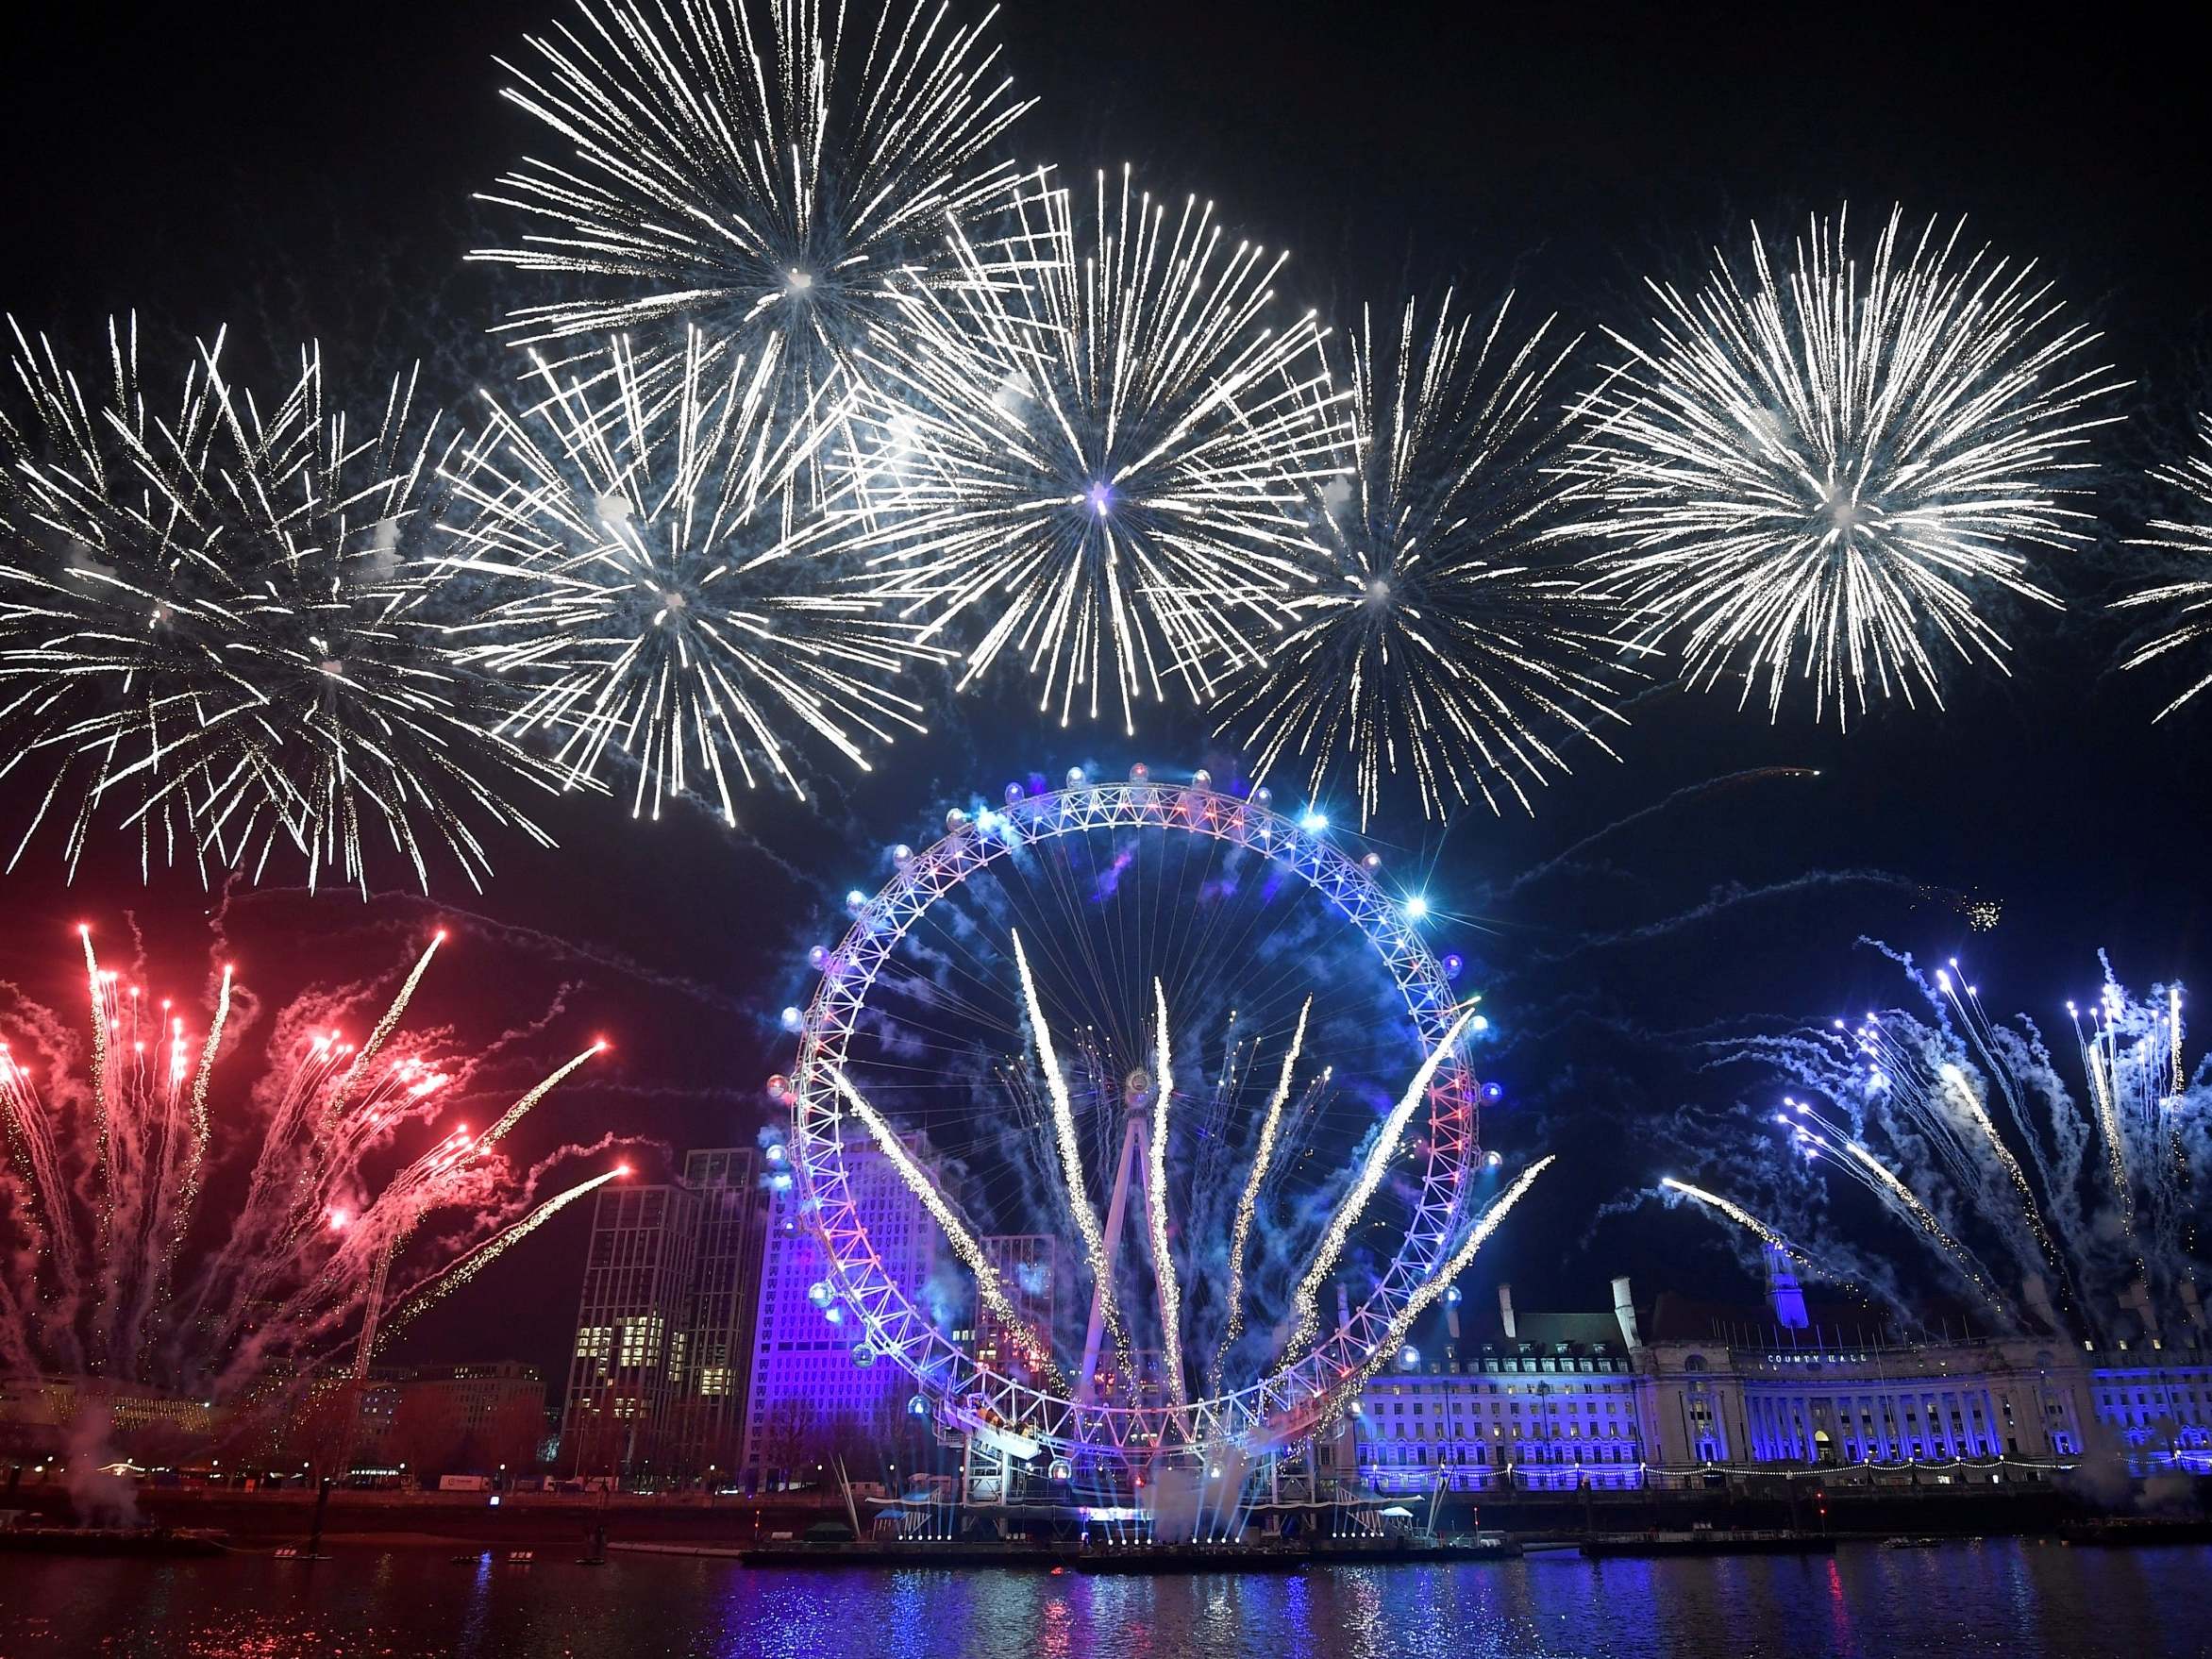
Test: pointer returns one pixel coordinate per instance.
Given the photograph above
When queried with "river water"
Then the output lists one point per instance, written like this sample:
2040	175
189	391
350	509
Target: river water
2025	1600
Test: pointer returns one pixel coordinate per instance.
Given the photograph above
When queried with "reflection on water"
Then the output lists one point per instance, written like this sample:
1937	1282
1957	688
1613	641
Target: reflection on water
2028	1600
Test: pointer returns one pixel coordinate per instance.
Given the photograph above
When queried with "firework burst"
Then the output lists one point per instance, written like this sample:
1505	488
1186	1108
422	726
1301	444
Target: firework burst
1095	446
653	585
2185	603
1823	475
115	1265
2039	1196
755	167
212	626
1447	642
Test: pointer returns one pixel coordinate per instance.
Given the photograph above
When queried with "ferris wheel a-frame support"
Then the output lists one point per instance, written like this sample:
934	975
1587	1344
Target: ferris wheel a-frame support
1131	1169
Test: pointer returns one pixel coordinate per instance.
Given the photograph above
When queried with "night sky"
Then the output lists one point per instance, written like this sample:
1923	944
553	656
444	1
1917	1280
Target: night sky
297	171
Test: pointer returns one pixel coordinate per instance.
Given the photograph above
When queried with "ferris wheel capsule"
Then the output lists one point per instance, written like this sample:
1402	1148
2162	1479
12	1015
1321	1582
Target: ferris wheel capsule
1263	796
1076	778
955	821
1201	779
1139	773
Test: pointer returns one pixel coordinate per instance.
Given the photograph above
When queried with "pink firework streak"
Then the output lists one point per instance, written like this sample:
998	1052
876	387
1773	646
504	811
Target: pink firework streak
134	1247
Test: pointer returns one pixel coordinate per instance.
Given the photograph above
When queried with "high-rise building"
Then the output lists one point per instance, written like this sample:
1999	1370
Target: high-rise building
815	1380
663	1331
633	1323
725	1291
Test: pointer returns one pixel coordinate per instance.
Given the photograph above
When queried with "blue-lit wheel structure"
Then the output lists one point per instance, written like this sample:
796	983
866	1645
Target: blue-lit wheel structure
1302	1392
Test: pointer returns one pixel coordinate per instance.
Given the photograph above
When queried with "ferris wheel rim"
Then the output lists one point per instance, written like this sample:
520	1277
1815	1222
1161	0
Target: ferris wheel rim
1295	1395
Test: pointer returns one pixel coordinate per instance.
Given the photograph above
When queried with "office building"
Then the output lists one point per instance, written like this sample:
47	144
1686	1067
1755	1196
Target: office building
664	1330
716	1364
816	1383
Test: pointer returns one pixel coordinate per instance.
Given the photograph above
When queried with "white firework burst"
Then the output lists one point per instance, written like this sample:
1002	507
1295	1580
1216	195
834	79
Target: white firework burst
1097	446
212	625
653	584
754	168
1825	474
1447	642
2185	602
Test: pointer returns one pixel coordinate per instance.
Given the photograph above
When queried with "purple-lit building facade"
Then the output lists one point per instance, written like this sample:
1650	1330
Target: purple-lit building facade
815	1380
1558	1401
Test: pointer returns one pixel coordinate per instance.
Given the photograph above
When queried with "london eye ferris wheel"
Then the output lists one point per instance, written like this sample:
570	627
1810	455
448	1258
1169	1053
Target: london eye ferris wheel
1185	1091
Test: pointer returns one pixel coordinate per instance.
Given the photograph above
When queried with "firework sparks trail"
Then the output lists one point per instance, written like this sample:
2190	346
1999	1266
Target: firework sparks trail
1961	1090
1098	448
1071	1168
103	1018
1816	1136
2131	1056
2103	1062
36	1153
758	169
381	1031
1249	1202
1449	640
196	1160
1826	472
1735	1211
123	1277
990	1287
652	587
213	627
521	1108
1946	1106
1305	1302
1426	1295
2187	600
1149	1089
1898	1063
465	1268
1156	1206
